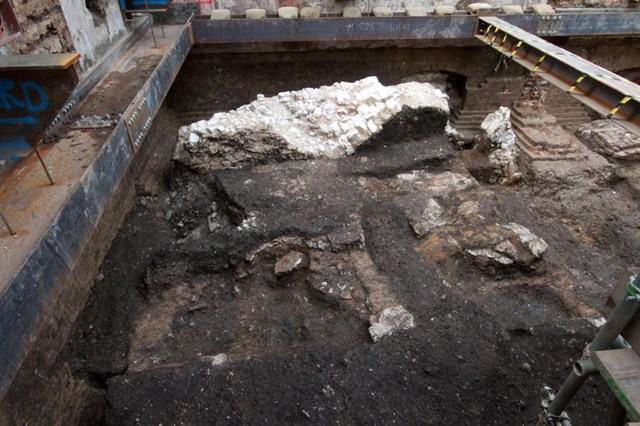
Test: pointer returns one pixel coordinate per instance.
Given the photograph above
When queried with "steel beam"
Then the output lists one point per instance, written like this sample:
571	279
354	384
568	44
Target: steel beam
402	28
44	274
599	89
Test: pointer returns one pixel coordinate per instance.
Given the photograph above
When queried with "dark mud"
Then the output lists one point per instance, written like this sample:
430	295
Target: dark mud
188	323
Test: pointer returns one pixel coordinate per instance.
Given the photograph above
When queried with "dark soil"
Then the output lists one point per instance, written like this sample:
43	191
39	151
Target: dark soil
173	295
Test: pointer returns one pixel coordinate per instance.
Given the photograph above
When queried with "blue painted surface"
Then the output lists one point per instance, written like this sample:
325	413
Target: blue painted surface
140	4
28	96
13	149
20	105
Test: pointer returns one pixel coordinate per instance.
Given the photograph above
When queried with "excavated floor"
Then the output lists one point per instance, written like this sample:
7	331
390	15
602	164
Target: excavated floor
196	317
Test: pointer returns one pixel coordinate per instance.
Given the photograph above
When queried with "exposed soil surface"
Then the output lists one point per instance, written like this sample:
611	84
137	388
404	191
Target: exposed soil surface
197	318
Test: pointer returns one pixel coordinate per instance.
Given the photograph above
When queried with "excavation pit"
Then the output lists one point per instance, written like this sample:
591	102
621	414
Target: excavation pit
264	292
259	284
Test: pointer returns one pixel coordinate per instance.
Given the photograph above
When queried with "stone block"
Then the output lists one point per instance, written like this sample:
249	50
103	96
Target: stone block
512	9
474	8
288	12
220	14
309	12
416	11
542	9
351	12
255	13
382	11
444	10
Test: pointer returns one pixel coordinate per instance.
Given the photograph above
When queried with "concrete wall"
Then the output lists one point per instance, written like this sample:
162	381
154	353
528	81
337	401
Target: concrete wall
88	27
94	25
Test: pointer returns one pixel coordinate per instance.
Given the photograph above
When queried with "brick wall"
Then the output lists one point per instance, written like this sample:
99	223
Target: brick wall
44	29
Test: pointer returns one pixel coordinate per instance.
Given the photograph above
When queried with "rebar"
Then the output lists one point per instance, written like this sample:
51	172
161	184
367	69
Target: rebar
6	223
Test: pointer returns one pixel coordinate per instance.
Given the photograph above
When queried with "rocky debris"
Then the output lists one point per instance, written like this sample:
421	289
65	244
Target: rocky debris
328	391
216	360
96	121
290	262
390	320
435	185
214	220
455	137
333	289
536	245
327	122
423	217
494	248
610	139
498	141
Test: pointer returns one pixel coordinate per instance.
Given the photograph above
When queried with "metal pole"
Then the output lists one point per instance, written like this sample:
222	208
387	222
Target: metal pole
44	166
6	223
607	335
146	5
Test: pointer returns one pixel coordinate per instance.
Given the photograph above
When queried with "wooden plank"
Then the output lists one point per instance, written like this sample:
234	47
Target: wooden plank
51	61
632	331
621	370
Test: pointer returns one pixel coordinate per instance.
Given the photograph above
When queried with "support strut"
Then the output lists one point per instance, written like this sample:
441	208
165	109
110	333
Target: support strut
605	92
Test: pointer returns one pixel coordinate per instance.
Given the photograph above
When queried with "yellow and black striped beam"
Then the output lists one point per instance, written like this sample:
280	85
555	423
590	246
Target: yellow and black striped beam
605	92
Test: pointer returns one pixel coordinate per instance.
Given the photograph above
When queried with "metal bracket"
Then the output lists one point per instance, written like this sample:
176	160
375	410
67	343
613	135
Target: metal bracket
138	122
548	25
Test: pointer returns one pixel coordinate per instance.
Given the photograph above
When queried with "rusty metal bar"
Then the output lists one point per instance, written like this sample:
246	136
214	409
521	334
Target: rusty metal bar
599	89
44	166
146	5
6	223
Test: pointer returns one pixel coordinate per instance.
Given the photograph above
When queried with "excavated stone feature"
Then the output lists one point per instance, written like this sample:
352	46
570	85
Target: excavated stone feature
491	247
327	122
494	158
290	262
390	320
498	139
609	139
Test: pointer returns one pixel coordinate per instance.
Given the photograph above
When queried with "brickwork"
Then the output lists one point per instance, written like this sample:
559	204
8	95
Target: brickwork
607	138
44	29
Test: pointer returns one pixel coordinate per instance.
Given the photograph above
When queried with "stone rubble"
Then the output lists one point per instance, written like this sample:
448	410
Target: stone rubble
610	139
290	262
503	245
498	140
390	320
326	122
